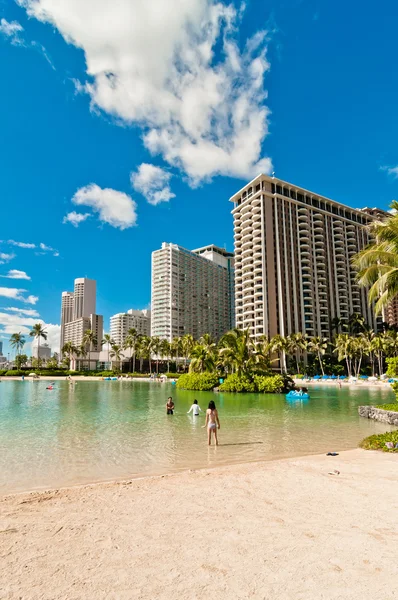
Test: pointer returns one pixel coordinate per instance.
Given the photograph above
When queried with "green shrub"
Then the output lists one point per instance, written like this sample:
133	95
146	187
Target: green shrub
378	441
298	376
3	372
202	382
15	373
393	407
392	369
237	383
172	375
275	384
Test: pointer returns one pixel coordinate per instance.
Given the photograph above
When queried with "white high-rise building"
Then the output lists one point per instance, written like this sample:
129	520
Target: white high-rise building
84	298
192	292
293	251
140	320
78	315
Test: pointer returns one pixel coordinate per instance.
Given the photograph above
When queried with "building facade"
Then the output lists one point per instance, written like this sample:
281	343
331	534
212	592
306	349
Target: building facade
293	252
78	315
140	320
192	291
44	351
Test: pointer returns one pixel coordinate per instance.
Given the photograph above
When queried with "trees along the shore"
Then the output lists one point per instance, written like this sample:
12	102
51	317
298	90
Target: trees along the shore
202	359
146	350
132	343
89	340
82	353
318	345
69	349
296	345
107	339
165	352
38	332
187	345
156	344
116	353
17	341
377	264
176	349
236	351
278	345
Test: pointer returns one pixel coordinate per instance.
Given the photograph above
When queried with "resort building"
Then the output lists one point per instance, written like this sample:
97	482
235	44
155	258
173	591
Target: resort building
1	348
293	251
140	320
44	351
78	315
192	291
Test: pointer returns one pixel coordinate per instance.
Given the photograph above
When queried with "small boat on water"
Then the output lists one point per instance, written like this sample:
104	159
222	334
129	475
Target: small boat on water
295	395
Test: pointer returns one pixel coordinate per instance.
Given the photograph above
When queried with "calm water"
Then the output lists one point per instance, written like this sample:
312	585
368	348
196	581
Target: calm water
95	431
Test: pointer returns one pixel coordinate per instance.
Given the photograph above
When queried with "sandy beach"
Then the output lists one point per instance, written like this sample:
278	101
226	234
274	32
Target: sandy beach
276	530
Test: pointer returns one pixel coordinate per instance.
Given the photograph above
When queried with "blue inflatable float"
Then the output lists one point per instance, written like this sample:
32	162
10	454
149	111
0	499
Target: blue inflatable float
293	395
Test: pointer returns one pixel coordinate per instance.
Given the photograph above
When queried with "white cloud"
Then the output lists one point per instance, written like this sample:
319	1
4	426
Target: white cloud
53	336
29	312
155	64
113	207
391	170
17	294
11	30
153	183
15	274
21	244
4	257
19	323
75	218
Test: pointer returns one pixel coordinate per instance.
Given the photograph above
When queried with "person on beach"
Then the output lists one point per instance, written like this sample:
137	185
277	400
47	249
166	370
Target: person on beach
195	409
170	406
212	422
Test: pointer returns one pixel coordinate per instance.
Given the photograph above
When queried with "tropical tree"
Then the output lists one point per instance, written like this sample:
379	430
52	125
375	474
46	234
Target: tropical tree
336	324
187	344
156	344
116	354
38	332
146	350
21	360
176	349
377	264
82	352
89	340
295	345
107	339
202	359
70	350
165	352
378	346
318	345
17	341
278	345
132	343
356	323
236	351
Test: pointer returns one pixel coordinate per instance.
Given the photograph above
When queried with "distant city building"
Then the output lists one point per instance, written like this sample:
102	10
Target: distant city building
293	252
192	291
44	351
1	348
78	314
140	320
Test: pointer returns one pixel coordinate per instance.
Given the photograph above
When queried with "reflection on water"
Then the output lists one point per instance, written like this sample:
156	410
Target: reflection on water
95	431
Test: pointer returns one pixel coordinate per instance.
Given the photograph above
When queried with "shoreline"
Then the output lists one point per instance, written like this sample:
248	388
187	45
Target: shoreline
224	531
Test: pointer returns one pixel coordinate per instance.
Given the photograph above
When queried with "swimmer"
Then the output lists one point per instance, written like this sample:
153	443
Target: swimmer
212	422
195	409
170	406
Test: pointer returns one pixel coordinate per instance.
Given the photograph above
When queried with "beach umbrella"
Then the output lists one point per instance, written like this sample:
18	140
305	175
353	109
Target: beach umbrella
317	376
333	377
372	378
32	374
325	376
343	377
364	377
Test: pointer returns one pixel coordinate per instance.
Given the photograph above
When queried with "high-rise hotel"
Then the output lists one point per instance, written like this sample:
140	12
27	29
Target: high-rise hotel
292	259
192	292
78	315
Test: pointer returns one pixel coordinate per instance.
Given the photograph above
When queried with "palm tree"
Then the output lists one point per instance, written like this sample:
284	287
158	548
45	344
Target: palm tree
165	352
176	349
202	359
69	349
318	346
145	350
156	345
38	332
81	352
187	344
116	354
107	339
296	344
278	345
336	324
17	341
378	346
90	340
132	343
377	264
356	323
236	351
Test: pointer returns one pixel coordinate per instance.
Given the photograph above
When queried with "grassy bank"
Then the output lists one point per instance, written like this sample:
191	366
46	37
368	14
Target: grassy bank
379	441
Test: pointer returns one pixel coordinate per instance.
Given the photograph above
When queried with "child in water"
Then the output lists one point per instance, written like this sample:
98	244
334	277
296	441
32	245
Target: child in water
195	409
212	422
170	406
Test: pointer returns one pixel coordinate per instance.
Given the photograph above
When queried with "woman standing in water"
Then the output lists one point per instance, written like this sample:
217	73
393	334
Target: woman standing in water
212	422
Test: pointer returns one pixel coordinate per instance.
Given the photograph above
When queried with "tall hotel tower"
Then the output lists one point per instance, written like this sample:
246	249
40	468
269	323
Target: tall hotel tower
292	259
192	291
78	314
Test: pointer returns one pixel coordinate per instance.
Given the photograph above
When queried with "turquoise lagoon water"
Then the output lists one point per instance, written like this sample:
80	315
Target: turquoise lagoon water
96	431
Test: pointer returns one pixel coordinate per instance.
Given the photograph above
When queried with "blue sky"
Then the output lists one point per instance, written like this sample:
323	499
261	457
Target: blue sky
144	120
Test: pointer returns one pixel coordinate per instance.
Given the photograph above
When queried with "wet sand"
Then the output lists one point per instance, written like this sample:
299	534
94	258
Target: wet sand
276	530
